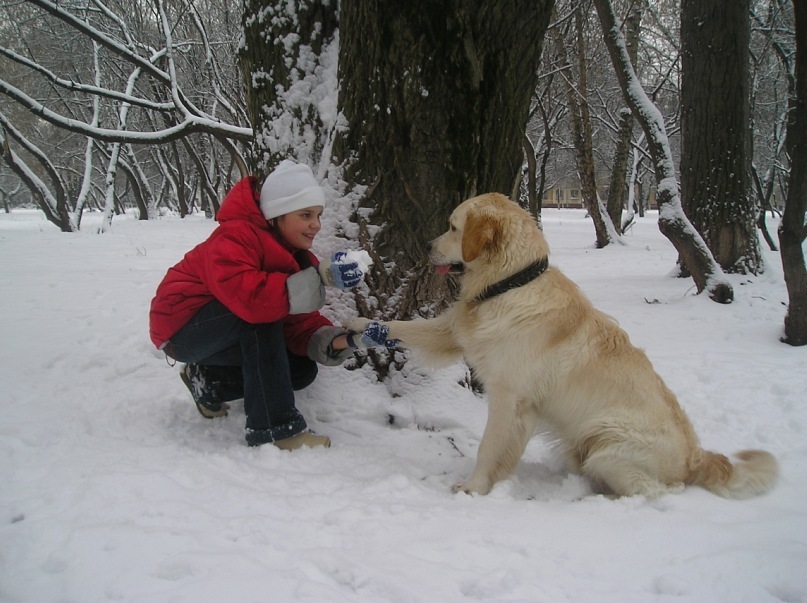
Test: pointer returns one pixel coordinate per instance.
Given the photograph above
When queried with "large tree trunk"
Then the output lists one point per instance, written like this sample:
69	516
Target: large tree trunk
673	223
436	97
792	230
716	190
281	60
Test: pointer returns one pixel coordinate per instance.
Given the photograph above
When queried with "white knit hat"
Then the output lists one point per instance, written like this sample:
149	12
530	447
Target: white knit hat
290	187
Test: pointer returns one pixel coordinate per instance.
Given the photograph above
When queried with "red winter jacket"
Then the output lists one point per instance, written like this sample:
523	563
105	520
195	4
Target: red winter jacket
242	265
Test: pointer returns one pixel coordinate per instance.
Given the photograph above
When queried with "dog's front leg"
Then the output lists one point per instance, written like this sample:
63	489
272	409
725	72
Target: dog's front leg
433	337
510	425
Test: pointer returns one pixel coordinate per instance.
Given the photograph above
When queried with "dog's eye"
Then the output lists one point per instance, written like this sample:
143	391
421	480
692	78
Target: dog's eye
452	228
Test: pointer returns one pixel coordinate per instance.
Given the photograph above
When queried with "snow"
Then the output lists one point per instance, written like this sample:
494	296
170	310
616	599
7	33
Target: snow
360	257
115	489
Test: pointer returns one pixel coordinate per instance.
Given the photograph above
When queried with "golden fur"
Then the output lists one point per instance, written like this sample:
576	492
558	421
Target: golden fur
545	354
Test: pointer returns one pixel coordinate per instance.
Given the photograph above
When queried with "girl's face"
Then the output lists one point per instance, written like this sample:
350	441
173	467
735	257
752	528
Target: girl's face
299	228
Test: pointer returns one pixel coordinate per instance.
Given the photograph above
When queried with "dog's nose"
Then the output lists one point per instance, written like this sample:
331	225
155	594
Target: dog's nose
429	246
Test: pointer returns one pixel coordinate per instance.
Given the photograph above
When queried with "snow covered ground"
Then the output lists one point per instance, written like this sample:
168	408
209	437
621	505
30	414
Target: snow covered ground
113	488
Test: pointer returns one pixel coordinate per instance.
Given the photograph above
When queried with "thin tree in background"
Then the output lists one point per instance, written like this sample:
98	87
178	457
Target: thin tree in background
545	114
772	73
793	228
673	223
716	190
580	118
617	189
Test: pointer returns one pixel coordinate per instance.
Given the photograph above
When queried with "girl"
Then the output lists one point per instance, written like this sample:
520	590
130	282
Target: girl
241	308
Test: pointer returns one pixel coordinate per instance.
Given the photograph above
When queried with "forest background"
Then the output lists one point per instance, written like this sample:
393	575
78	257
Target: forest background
116	489
404	111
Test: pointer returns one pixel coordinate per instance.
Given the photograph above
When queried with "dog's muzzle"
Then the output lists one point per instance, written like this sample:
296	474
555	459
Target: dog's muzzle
443	268
456	268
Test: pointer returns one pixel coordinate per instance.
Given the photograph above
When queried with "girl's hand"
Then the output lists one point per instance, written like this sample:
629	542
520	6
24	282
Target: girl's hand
341	271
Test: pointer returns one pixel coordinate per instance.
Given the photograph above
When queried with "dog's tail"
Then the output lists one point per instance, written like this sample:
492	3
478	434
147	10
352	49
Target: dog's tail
754	473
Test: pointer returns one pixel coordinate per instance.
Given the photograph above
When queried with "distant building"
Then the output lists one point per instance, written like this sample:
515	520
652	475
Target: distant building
567	195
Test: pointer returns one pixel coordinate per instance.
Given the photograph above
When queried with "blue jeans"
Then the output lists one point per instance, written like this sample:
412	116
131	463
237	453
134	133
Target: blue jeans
215	336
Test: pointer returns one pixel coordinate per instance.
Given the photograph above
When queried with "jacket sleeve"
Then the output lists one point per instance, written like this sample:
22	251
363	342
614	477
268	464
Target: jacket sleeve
299	331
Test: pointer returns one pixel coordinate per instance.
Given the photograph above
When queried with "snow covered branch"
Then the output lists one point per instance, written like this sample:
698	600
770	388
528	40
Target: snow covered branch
135	74
673	223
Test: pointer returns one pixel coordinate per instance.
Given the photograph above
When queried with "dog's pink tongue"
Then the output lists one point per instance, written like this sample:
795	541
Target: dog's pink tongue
443	270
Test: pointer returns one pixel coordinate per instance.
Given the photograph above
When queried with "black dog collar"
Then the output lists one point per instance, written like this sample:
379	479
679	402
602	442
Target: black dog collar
519	279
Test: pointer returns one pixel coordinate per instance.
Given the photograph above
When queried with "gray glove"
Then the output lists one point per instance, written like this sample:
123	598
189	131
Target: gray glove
306	291
320	347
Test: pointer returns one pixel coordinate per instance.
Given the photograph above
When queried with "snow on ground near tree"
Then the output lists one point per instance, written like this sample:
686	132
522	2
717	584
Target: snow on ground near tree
115	489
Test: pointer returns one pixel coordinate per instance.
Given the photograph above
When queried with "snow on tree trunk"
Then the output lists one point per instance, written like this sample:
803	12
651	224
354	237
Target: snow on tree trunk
622	149
673	223
109	192
288	60
86	180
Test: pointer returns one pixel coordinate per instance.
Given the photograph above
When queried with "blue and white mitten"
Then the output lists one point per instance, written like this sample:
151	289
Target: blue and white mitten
341	271
376	334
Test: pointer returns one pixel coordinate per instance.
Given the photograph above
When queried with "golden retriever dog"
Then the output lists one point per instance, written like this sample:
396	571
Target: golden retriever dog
546	356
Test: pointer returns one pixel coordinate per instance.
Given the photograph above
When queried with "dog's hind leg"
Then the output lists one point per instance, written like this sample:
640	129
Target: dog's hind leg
624	477
511	423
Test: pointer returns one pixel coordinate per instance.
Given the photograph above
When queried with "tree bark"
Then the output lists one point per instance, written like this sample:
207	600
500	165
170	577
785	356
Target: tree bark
793	228
533	200
673	223
619	171
716	190
281	61
436	96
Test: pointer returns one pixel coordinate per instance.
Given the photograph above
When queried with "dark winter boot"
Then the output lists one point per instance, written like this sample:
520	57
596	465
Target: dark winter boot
204	391
226	381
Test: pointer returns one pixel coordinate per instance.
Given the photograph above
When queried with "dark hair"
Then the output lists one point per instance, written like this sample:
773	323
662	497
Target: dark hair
274	228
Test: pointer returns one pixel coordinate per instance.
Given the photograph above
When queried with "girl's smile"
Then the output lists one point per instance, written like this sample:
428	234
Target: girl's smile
299	228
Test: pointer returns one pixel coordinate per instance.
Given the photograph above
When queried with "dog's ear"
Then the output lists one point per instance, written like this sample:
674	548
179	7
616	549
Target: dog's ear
481	233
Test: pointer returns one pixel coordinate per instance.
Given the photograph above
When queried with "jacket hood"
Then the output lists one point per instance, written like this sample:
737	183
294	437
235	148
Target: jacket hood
241	203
